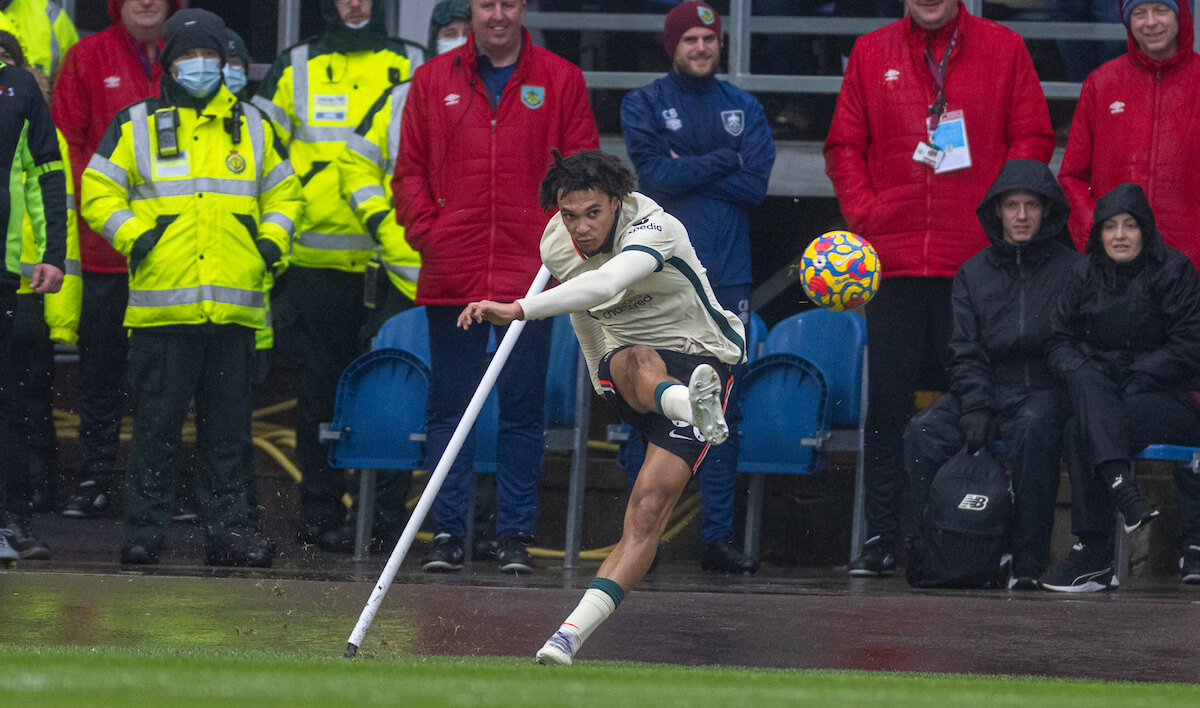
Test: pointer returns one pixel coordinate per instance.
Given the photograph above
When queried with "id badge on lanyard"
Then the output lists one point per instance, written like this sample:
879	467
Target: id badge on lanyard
946	148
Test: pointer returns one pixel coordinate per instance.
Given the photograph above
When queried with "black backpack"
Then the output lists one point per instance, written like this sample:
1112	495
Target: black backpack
965	525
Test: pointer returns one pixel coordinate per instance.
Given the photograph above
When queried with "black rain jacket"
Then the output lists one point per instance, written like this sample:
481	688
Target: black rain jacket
1003	296
1139	322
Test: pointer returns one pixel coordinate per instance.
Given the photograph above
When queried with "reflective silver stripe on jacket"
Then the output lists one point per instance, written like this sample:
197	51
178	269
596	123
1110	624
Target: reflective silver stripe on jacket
195	295
139	124
114	223
399	97
193	185
300	84
327	134
70	267
282	220
52	10
277	175
274	112
109	169
335	242
408	273
254	126
362	194
366	148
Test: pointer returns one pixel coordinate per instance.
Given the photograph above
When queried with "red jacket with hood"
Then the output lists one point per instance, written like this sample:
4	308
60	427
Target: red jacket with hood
921	223
102	74
1136	122
467	177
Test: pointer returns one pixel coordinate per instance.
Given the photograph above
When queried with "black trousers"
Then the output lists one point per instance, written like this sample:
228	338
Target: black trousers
1030	424
32	426
1106	425
908	334
168	368
103	353
8	308
322	316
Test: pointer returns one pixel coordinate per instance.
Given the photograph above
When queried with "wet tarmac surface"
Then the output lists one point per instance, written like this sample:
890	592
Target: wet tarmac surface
783	617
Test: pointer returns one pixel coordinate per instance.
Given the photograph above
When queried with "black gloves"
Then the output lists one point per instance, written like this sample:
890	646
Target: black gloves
270	252
976	427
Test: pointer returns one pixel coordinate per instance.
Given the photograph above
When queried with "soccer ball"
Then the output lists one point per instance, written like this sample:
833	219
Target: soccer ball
839	271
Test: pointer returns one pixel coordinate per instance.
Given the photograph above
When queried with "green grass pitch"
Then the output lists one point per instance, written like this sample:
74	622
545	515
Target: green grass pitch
103	676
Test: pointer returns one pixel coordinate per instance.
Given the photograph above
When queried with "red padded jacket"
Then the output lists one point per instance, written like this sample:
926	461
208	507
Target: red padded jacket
1135	122
102	74
921	223
467	177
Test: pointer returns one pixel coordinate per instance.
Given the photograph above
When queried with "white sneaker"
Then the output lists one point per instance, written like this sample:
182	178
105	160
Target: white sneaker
558	649
8	554
704	390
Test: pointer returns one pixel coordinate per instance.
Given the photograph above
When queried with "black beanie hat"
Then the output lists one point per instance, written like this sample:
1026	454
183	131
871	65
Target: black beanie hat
193	29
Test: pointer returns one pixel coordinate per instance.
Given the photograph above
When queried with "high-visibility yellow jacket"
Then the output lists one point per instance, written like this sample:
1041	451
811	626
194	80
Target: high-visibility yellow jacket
366	167
46	32
61	308
317	97
207	207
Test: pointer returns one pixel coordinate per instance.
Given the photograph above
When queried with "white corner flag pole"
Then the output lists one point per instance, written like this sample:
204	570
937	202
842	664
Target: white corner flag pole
439	473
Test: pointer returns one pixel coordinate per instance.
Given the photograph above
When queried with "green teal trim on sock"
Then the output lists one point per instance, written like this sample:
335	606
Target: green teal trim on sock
608	587
658	392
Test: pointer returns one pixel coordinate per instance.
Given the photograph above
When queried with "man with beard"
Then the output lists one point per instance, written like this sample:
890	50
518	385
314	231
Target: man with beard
703	150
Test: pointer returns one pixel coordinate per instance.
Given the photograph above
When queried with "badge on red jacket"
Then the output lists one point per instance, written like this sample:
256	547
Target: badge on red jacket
533	96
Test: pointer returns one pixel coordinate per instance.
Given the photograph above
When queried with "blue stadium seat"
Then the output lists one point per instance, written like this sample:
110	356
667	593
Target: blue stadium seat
833	345
379	414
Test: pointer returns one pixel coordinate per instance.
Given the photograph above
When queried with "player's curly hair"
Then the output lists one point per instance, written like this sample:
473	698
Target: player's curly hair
590	169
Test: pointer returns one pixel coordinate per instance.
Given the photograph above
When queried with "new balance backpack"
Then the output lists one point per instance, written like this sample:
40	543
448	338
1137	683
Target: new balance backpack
965	525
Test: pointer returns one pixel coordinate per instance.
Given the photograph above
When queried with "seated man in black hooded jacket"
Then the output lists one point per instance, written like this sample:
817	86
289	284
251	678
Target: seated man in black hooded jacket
1126	340
1001	385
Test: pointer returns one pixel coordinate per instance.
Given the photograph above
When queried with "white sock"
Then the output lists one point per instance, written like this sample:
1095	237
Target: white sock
594	608
674	402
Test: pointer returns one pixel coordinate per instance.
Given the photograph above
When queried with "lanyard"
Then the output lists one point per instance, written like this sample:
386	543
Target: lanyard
938	69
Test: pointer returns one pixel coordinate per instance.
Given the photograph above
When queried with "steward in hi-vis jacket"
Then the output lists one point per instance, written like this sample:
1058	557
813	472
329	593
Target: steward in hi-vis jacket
366	167
36	185
196	191
46	32
317	93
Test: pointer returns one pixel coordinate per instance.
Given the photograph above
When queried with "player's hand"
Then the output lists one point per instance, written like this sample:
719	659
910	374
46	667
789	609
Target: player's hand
46	279
498	313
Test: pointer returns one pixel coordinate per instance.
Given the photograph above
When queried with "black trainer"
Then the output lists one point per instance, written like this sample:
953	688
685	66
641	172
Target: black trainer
723	557
1025	573
1086	569
512	550
446	554
27	545
89	500
876	558
138	554
339	540
1135	511
257	552
1189	565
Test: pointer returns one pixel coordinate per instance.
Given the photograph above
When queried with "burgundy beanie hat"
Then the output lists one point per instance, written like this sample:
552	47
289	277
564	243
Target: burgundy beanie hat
684	17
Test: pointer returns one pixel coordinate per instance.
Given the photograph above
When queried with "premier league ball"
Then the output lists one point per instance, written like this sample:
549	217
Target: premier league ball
839	271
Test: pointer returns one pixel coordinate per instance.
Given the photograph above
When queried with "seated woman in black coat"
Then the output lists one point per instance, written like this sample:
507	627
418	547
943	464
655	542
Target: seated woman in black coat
1126	340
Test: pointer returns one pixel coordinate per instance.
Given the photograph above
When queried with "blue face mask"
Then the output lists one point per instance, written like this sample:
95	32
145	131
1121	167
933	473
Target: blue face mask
200	77
235	78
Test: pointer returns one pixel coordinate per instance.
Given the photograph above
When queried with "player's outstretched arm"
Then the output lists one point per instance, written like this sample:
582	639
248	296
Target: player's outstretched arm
498	313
